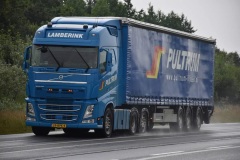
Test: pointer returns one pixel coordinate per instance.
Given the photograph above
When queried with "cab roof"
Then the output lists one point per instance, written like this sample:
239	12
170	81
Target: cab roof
118	21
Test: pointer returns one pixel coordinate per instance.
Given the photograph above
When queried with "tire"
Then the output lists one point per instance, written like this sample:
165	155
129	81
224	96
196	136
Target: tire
150	125
197	119
107	124
41	131
188	119
133	123
206	116
143	122
179	125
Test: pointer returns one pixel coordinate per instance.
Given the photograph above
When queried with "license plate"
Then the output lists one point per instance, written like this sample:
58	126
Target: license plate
59	125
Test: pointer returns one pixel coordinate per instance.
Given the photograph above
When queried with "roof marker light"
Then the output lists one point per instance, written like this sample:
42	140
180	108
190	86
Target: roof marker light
49	24
85	26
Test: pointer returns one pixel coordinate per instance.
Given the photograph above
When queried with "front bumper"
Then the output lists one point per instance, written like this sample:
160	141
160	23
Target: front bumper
66	113
44	124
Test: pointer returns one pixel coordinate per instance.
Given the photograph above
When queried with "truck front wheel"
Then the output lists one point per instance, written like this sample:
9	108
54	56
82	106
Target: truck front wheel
40	131
107	124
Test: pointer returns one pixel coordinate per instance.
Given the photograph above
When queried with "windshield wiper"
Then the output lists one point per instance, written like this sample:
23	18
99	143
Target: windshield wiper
83	60
54	59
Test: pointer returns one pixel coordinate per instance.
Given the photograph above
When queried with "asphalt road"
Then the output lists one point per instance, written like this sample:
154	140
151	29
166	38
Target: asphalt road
213	142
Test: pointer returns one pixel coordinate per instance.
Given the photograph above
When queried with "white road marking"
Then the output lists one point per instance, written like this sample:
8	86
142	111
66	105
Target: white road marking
166	153
73	146
219	147
12	141
52	143
190	152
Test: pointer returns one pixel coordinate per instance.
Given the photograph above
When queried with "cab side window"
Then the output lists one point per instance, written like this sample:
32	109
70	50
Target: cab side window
113	56
102	61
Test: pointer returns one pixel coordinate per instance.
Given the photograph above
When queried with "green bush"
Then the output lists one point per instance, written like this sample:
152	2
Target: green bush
12	78
12	84
227	77
9	104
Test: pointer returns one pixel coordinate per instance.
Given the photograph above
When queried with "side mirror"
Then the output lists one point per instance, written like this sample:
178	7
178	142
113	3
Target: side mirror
109	61
27	52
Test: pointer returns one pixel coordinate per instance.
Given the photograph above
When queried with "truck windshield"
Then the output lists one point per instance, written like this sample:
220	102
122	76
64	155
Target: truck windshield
64	56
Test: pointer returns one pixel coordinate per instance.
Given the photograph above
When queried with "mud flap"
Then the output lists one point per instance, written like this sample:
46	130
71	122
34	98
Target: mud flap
207	113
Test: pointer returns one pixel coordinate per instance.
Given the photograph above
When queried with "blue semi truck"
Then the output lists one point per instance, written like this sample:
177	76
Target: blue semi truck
116	73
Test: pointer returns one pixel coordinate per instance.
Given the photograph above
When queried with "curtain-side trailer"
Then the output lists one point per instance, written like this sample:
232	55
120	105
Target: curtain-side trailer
114	73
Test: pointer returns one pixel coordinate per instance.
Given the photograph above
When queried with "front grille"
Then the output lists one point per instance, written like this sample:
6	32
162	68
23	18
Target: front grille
58	107
59	112
59	117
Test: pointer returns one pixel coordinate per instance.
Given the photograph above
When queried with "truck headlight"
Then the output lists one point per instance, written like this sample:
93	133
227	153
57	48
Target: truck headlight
89	111
30	109
30	119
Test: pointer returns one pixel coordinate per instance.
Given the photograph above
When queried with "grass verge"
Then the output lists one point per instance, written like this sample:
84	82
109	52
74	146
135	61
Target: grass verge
12	122
226	114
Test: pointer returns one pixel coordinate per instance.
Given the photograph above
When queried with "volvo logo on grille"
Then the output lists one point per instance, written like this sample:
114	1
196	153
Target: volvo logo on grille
60	77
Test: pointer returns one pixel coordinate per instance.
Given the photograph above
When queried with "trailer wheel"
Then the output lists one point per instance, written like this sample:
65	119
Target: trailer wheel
188	119
40	131
150	125
133	123
107	124
206	116
143	122
178	126
197	119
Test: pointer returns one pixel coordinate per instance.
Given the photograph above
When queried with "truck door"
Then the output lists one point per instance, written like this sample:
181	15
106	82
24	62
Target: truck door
108	72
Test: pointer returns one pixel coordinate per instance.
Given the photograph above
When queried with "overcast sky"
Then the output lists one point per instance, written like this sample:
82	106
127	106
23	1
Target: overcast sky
219	19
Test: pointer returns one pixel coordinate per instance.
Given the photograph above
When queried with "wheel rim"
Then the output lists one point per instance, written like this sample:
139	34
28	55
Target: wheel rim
143	122
198	119
180	120
133	125
188	123
108	124
188	120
